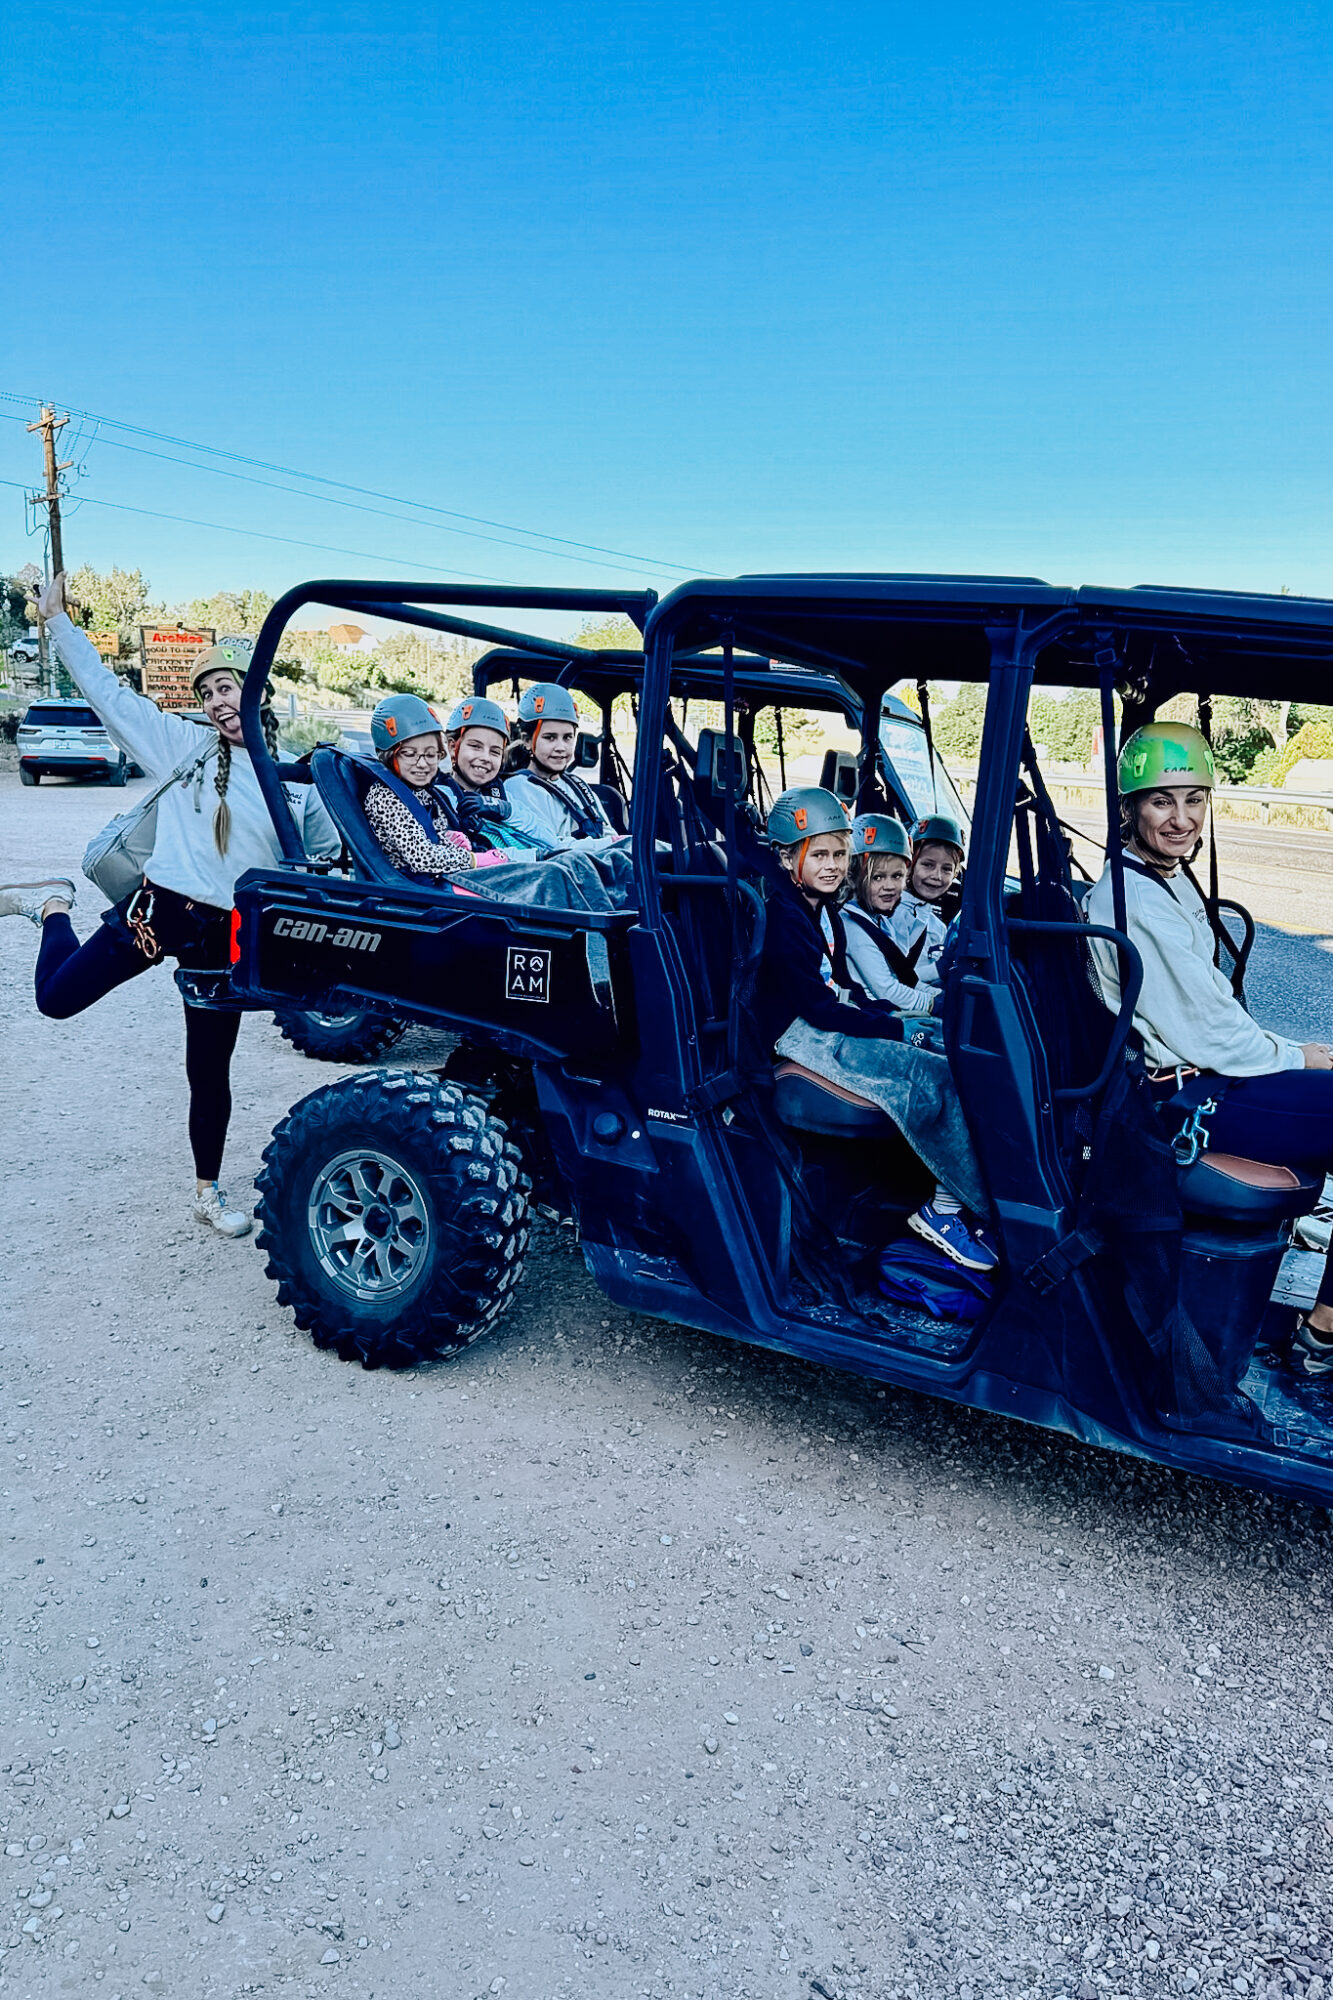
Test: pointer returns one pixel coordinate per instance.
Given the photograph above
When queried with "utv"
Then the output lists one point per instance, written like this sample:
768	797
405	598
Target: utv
910	769
605	1048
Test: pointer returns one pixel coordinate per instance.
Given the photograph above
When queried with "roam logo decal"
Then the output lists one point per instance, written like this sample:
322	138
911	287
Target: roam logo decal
306	931
527	974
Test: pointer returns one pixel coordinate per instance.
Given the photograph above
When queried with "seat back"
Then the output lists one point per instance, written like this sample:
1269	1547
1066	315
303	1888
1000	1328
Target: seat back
342	782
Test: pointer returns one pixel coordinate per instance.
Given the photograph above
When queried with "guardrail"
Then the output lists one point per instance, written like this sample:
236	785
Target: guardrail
1259	800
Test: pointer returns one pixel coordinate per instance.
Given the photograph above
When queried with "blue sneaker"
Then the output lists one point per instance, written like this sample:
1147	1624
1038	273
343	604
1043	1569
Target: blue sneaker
951	1234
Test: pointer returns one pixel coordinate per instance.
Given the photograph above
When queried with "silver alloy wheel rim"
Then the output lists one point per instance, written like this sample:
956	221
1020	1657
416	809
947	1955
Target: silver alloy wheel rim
348	1020
369	1224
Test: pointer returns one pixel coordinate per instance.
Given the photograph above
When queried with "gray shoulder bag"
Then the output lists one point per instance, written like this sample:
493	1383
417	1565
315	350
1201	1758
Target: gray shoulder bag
114	859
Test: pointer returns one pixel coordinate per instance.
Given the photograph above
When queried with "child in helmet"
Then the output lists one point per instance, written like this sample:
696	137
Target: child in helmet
477	734
918	923
407	814
881	856
551	803
804	975
1274	1096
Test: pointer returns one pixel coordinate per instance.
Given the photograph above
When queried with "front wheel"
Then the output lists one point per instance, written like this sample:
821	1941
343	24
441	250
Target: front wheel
355	1035
395	1216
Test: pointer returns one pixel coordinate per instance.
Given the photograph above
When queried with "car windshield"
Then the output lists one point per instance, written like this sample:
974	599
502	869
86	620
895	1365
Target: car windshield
62	718
904	745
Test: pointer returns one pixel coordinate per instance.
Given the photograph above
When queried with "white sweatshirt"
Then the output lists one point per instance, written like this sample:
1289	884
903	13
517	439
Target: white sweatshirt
872	970
912	916
185	856
541	817
1187	1012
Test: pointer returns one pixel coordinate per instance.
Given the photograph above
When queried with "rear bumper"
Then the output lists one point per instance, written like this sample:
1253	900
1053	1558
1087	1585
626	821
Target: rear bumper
69	767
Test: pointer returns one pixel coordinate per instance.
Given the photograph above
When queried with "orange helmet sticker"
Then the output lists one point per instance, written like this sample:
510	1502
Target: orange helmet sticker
467	711
800	816
538	703
391	725
869	835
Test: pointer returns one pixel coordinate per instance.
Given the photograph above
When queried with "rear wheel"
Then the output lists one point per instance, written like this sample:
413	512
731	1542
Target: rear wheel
120	776
28	777
395	1216
353	1035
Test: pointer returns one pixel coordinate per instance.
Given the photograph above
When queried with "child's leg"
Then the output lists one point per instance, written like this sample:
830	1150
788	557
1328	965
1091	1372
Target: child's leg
71	976
942	1223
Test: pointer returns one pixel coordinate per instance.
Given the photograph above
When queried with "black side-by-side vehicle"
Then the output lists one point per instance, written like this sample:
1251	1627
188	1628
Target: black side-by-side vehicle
606	1052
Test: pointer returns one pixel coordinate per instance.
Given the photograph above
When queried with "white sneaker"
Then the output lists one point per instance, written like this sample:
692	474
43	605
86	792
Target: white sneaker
211	1207
29	899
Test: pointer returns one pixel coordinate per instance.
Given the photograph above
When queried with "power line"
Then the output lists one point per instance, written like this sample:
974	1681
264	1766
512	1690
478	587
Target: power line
358	506
291	541
369	492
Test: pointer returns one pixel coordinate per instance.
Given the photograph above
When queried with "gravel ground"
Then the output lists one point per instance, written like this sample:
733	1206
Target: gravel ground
610	1660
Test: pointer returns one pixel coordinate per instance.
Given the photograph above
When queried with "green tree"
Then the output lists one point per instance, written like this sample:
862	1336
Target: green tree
230	611
956	725
611	634
115	602
1066	725
13	610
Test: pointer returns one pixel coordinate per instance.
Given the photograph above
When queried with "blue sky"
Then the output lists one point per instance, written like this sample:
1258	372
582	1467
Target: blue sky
1029	288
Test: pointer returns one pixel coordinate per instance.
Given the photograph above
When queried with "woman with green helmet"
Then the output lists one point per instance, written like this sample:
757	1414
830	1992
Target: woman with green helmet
1274	1096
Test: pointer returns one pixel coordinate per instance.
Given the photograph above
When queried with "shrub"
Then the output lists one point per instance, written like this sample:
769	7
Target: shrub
1312	739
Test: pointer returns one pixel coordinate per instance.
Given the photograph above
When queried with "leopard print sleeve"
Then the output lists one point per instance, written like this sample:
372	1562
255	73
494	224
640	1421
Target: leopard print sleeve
405	841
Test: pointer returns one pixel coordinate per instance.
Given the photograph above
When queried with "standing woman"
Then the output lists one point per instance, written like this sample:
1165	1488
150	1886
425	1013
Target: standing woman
1274	1097
211	827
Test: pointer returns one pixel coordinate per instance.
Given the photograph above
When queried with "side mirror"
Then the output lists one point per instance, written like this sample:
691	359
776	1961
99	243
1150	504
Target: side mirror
838	775
587	750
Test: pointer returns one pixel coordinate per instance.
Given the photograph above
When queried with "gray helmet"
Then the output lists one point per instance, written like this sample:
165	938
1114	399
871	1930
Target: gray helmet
477	711
802	813
547	702
938	826
880	833
399	716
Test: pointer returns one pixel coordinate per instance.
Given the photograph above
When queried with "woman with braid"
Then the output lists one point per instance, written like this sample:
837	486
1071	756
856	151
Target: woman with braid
212	825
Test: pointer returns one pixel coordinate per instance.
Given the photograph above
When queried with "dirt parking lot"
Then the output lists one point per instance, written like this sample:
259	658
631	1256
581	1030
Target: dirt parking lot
610	1660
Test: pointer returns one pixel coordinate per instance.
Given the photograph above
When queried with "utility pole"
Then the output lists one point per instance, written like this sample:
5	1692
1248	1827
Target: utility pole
48	424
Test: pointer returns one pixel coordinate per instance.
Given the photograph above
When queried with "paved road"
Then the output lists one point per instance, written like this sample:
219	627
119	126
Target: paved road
610	1661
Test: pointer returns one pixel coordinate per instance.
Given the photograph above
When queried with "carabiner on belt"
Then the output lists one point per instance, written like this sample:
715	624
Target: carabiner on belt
1192	1138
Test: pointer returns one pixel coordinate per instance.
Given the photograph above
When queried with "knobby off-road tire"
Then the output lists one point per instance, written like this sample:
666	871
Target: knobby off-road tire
360	1035
394	1211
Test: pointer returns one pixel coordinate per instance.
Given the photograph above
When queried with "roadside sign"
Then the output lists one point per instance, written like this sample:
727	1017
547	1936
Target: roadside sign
107	644
167	652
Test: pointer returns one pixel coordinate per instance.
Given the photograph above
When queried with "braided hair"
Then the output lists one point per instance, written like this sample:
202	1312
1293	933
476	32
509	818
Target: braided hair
222	777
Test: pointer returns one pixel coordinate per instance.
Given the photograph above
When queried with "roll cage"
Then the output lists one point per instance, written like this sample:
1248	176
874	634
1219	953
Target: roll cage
646	1083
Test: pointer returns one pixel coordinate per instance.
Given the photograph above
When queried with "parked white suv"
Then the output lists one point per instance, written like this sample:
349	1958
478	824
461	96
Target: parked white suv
67	739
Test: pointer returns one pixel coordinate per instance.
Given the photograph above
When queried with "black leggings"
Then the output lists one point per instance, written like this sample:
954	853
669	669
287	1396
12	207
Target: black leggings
71	976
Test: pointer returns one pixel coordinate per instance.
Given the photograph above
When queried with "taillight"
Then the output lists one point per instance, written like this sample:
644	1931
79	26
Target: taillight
235	937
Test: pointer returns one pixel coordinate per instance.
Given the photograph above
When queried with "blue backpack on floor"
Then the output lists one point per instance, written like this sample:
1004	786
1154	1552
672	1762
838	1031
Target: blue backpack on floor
915	1274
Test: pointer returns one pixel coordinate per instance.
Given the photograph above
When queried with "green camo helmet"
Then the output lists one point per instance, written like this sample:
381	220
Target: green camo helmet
804	812
880	833
1162	755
